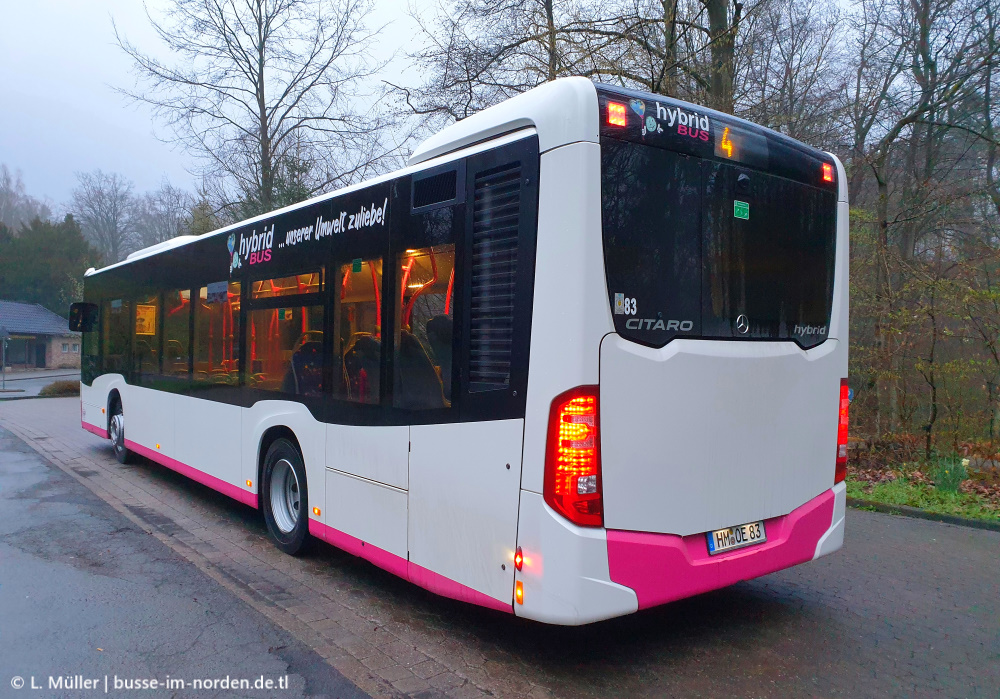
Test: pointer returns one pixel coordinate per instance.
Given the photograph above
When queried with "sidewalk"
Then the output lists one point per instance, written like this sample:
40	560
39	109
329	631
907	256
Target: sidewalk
41	374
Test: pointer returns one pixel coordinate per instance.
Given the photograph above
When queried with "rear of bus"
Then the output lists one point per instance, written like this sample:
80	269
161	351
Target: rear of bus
712	447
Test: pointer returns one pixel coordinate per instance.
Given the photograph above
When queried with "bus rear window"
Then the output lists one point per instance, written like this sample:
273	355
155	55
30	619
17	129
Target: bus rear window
706	249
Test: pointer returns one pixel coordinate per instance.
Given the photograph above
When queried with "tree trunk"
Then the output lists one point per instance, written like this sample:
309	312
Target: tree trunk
883	295
266	156
550	19
722	36
668	81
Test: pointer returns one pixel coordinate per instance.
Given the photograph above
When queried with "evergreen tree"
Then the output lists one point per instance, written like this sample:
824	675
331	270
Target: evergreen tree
45	263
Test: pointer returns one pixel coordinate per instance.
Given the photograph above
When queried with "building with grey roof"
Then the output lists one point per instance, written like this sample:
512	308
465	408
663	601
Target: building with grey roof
37	337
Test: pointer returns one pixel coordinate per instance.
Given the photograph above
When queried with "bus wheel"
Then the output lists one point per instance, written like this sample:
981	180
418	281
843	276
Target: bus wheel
116	431
285	497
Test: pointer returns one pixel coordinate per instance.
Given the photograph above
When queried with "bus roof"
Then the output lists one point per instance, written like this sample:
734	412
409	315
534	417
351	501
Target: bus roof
559	112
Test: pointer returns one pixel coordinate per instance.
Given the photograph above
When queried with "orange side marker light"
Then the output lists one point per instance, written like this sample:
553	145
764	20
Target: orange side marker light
519	592
249	484
316	511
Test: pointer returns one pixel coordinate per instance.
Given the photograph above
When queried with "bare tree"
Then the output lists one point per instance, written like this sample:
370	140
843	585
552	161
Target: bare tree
17	207
104	205
262	86
480	52
162	214
791	70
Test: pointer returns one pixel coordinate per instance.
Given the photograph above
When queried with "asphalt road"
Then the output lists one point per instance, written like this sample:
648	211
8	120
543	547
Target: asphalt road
908	608
84	592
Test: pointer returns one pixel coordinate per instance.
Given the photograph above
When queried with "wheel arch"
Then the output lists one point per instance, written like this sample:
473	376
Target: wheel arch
113	397
269	437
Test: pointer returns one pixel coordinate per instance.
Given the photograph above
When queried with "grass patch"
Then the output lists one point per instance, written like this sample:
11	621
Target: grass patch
61	388
908	490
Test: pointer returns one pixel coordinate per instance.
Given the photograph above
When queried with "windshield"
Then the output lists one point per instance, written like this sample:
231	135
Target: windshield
696	247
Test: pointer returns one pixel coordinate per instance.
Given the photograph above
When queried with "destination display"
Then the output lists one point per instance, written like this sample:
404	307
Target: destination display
686	128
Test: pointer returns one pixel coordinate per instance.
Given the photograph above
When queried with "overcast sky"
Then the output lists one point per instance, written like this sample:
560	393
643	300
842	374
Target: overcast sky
59	113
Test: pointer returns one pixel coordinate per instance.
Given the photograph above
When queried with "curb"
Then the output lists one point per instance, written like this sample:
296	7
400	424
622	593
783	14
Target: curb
917	513
4	400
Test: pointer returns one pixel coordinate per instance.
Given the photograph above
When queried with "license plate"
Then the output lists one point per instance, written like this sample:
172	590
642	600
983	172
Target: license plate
736	537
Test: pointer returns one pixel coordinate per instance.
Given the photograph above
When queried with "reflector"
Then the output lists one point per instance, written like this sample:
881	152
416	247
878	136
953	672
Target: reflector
840	474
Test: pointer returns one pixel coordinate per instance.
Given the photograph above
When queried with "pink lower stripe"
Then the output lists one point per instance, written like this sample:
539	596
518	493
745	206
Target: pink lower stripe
93	428
244	496
427	579
665	567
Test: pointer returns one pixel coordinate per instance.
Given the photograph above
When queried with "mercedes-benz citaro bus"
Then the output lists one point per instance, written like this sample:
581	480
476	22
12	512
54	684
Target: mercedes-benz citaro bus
585	355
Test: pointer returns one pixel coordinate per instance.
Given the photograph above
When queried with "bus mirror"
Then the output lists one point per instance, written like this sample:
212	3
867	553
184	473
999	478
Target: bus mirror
82	317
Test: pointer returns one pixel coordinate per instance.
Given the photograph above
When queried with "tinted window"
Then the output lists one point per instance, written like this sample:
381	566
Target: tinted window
116	328
287	286
424	322
358	323
285	347
691	245
652	240
146	342
89	361
776	265
435	189
176	332
217	334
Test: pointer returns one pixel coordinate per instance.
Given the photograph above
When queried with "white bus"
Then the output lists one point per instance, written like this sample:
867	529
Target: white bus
583	356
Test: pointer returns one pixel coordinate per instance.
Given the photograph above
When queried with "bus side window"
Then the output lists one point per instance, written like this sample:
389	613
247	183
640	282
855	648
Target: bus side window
217	335
116	319
423	328
146	343
176	332
358	330
90	351
285	334
286	349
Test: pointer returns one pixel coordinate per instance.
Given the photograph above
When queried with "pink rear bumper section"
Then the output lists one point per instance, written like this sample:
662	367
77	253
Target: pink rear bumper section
664	567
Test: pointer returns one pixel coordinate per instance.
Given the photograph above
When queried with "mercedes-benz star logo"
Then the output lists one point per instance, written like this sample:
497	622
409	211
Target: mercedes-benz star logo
743	324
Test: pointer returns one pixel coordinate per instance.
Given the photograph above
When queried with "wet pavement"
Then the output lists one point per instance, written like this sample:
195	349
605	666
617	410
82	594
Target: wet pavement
87	597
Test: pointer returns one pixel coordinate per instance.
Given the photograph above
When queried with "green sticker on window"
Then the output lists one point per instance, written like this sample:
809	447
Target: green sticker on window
356	265
741	209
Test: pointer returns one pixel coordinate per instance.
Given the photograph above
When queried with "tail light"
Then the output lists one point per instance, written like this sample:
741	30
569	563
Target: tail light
845	401
616	114
572	458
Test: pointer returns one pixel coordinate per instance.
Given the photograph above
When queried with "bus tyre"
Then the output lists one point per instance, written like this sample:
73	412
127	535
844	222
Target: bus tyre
285	497
116	433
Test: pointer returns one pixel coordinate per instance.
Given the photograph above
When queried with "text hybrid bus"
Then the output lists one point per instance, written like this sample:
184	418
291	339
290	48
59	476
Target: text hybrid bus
585	355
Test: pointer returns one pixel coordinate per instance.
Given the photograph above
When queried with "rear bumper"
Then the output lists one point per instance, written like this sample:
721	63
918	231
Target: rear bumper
661	568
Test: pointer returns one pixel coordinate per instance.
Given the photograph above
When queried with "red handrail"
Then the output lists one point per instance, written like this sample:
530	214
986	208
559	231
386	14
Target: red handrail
409	306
